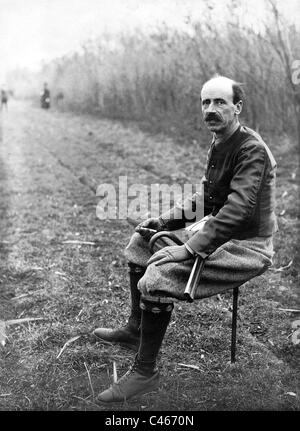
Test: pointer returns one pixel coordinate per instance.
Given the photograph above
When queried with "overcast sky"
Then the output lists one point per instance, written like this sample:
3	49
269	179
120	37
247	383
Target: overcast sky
36	30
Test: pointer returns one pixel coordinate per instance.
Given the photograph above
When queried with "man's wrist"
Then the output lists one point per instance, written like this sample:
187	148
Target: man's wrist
190	250
202	254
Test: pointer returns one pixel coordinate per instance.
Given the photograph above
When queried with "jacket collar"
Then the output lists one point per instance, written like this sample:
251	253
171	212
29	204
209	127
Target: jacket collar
228	143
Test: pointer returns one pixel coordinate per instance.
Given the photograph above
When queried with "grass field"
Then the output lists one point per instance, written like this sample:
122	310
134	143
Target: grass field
50	163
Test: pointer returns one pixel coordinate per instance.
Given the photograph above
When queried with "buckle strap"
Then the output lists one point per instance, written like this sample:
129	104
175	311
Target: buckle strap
155	306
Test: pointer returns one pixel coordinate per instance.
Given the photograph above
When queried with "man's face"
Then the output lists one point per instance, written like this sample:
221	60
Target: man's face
218	108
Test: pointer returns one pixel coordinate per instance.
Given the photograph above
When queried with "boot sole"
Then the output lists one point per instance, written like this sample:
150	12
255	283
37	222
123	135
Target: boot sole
132	398
133	347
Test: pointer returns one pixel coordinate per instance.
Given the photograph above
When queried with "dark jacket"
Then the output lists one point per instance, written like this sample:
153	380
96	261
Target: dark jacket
239	193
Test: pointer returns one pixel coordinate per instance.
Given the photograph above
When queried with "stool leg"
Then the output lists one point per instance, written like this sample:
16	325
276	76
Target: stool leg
234	321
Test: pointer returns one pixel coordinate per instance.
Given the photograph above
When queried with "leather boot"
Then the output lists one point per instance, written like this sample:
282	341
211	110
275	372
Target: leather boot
143	377
131	384
128	335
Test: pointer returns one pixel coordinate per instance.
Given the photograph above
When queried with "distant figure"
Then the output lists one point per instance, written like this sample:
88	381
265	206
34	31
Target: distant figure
3	99
45	97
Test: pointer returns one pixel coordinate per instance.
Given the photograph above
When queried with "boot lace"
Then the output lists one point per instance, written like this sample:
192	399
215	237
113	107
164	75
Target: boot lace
125	377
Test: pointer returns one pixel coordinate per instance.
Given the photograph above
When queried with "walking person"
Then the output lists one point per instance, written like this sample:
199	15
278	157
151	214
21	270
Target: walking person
4	99
45	97
235	237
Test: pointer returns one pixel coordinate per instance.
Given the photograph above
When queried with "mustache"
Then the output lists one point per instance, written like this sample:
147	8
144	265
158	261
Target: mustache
212	117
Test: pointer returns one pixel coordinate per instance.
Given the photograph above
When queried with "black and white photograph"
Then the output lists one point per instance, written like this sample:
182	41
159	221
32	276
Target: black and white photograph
149	208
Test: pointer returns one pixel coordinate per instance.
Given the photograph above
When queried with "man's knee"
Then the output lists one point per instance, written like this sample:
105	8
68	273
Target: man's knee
149	293
137	241
137	250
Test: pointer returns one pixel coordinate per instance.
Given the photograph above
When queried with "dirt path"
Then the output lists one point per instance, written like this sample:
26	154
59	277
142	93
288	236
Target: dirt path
50	164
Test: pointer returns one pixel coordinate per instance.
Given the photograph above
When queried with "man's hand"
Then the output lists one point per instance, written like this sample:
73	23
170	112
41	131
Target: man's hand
149	227
174	253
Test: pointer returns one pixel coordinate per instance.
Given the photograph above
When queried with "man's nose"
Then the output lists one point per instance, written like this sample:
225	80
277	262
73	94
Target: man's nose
211	108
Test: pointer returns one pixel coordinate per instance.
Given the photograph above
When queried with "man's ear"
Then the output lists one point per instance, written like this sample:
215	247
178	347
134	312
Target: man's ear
238	107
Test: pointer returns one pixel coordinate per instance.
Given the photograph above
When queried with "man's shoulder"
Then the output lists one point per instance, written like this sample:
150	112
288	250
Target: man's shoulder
251	135
252	139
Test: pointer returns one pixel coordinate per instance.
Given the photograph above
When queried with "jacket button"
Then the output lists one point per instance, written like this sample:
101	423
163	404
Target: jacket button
210	182
210	197
212	166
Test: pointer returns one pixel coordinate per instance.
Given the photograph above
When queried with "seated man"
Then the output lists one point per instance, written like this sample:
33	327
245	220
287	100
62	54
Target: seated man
235	239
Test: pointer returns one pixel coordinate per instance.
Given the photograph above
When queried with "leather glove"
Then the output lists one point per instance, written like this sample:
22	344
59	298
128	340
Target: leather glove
173	253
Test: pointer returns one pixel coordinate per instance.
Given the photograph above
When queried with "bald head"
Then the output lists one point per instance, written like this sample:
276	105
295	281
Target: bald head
222	102
227	85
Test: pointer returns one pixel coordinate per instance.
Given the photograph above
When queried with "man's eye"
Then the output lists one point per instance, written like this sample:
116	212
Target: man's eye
220	102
